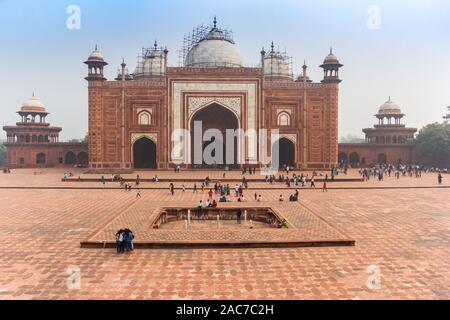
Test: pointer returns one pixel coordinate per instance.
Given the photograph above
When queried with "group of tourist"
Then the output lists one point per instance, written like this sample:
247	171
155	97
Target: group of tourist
301	179
124	240
292	198
278	224
67	175
381	171
209	204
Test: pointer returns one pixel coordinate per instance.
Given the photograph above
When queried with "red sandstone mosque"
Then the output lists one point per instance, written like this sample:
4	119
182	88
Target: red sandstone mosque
133	117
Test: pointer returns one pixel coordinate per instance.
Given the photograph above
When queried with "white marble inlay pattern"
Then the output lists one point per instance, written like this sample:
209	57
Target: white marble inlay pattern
136	136
196	103
289	136
140	109
289	111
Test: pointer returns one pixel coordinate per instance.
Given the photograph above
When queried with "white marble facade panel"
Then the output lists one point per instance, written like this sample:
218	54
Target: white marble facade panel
211	89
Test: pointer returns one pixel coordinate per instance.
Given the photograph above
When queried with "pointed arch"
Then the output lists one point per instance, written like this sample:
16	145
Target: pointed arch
144	118
354	159
285	148
144	153
342	157
284	119
222	118
40	158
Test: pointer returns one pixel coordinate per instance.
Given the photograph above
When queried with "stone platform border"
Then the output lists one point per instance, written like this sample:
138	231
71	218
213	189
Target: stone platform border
217	244
305	188
221	244
225	180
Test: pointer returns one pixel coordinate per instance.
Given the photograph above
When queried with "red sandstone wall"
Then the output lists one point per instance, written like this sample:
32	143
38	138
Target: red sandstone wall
370	152
320	149
316	145
54	154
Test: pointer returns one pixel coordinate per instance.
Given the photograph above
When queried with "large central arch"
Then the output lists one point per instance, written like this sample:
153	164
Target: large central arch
144	154
215	116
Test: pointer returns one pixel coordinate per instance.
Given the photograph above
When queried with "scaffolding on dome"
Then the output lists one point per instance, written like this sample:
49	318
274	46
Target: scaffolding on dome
198	34
148	70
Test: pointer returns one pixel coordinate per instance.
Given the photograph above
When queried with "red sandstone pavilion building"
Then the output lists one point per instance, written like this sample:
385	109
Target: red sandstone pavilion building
32	142
388	142
132	119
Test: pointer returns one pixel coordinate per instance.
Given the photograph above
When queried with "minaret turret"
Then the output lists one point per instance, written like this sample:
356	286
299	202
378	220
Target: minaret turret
95	64
331	66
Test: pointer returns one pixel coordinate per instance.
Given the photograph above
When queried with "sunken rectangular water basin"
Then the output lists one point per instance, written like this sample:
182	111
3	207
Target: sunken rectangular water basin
169	227
222	218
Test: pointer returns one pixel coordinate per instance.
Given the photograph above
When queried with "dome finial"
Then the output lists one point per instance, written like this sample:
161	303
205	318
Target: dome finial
331	50
215	22
272	46
96	47
156	45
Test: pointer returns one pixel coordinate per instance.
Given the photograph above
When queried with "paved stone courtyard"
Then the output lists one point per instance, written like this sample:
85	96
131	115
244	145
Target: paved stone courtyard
404	231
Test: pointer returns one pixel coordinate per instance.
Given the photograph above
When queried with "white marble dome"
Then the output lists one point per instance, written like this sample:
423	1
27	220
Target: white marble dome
389	107
275	66
33	104
215	50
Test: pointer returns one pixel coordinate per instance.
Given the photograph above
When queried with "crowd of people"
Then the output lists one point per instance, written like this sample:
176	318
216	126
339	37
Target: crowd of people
302	179
287	177
387	170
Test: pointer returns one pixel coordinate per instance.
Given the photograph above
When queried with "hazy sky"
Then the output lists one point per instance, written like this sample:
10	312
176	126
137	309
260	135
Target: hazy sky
408	57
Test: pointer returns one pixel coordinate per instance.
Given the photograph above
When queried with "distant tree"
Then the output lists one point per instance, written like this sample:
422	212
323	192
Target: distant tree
352	138
86	138
447	116
2	154
433	144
